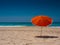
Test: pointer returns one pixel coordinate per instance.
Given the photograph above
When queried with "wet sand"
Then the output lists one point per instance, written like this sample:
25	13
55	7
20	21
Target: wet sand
29	36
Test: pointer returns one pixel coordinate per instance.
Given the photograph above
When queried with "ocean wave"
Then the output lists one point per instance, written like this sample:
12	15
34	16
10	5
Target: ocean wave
54	26
30	26
13	26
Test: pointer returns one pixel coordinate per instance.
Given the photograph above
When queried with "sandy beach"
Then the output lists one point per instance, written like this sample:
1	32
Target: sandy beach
29	35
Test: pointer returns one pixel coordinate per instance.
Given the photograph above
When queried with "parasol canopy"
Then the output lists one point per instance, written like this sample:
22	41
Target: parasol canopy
41	20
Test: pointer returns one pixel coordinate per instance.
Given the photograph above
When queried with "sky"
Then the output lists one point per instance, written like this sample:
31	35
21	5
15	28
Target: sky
24	10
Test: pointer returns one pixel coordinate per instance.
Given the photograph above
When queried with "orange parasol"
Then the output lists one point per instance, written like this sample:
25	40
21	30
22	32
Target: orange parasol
41	21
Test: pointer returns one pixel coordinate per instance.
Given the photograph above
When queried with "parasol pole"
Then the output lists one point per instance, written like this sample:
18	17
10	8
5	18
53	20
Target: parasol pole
41	31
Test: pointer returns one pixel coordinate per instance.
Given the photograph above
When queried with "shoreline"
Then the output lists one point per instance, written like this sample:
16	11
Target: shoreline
32	26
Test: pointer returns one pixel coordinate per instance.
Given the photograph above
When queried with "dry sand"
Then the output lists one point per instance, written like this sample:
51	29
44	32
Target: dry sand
29	36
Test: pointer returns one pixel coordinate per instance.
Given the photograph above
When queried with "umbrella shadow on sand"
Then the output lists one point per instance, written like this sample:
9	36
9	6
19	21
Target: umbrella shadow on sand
46	36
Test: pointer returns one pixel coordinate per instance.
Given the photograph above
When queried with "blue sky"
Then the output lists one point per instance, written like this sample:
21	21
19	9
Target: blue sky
24	10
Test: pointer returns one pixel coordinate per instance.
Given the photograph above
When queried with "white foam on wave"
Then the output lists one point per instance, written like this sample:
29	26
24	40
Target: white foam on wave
12	26
30	26
54	26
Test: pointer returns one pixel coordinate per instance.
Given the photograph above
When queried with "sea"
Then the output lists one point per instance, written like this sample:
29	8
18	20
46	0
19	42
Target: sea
20	24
